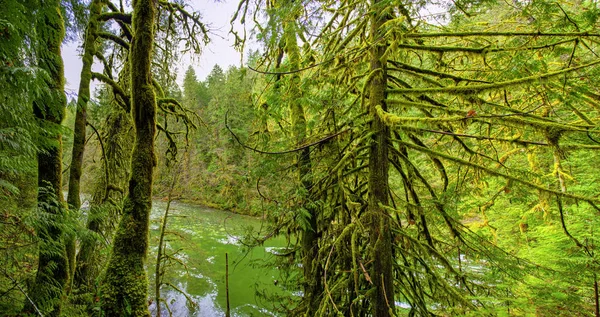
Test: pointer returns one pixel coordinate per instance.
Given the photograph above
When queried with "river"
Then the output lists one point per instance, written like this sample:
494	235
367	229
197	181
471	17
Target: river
203	236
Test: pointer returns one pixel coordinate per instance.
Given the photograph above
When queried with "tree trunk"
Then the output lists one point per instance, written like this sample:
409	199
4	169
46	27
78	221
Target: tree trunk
125	285
116	143
108	192
83	96
310	249
382	300
52	274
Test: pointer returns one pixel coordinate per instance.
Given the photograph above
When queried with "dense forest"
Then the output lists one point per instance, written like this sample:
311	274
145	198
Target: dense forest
408	158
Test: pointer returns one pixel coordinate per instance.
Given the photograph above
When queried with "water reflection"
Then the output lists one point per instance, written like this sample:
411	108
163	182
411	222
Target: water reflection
203	236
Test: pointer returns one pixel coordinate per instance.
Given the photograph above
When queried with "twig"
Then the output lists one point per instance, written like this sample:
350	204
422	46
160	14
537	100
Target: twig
106	174
24	293
325	139
228	311
325	280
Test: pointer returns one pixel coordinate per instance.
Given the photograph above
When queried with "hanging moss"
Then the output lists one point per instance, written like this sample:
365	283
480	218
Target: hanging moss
311	268
125	285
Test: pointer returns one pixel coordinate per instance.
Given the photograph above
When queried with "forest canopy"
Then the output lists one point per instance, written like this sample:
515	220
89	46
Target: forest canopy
413	158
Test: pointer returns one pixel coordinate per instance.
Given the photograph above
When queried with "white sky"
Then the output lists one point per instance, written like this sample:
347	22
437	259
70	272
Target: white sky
219	51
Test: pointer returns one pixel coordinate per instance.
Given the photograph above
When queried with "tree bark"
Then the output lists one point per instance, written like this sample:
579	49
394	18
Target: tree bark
83	96
109	191
52	275
125	285
310	249
382	300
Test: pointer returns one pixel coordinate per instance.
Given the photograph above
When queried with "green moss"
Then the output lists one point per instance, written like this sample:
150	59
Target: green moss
378	186
124	285
311	268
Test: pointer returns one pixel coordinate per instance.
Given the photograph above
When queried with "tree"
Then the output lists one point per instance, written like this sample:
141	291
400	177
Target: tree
115	140
422	114
53	267
21	139
79	131
125	285
308	217
378	222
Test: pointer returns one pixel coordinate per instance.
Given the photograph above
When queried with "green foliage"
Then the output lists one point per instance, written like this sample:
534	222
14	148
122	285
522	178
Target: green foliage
483	109
216	170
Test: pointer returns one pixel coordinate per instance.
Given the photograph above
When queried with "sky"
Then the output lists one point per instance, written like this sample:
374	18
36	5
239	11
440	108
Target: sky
219	51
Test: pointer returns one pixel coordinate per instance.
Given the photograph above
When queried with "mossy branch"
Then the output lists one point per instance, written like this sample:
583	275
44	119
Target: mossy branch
473	89
496	173
482	137
505	34
190	28
117	16
394	120
115	86
484	49
114	38
420	70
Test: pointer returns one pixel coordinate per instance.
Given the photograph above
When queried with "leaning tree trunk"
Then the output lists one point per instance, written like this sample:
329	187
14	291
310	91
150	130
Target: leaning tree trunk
125	284
310	248
83	96
382	300
52	274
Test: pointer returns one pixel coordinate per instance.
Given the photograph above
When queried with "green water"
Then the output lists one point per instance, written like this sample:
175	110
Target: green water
203	236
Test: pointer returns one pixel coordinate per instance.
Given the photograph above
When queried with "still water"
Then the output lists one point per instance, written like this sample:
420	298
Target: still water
202	236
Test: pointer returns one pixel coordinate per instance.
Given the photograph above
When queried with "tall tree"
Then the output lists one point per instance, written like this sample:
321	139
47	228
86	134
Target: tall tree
310	247
115	142
53	267
402	173
125	286
79	131
378	220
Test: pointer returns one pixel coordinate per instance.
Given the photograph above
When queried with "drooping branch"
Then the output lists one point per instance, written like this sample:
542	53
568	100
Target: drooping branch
403	66
497	173
194	30
484	49
109	36
117	16
504	34
115	86
300	148
473	89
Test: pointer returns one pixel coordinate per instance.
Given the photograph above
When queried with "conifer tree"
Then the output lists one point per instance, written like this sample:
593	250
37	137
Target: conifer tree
438	120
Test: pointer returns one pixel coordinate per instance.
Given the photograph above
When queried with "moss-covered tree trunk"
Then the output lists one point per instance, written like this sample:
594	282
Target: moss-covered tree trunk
310	248
109	188
382	300
52	274
83	96
125	285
